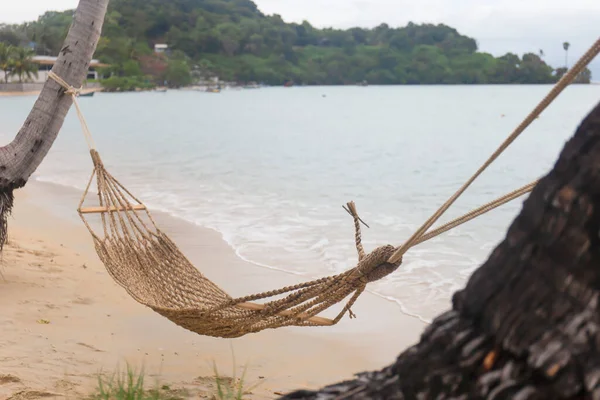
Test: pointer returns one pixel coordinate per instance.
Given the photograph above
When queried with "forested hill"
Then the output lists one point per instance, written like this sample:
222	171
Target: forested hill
235	41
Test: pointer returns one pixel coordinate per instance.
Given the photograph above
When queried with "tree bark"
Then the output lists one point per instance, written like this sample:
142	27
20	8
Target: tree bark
527	324
20	158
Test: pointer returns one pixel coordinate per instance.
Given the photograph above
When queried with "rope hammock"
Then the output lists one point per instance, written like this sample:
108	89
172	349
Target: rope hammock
150	267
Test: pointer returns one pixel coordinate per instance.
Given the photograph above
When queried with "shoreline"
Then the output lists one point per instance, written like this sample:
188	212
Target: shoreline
18	94
242	87
93	312
299	276
37	92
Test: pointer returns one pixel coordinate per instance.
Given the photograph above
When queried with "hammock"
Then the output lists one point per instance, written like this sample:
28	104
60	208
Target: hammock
142	259
149	266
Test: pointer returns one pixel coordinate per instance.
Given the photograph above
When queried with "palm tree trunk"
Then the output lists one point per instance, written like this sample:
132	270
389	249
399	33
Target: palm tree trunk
527	324
20	158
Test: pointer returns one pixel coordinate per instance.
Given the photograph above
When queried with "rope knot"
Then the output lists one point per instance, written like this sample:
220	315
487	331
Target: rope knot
70	90
375	265
73	91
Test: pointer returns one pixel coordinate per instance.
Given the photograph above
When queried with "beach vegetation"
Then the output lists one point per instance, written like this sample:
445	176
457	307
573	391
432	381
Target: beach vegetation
17	61
132	384
6	59
22	65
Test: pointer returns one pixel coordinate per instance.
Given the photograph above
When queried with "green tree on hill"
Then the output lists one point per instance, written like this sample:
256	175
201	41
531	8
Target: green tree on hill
178	73
243	44
584	76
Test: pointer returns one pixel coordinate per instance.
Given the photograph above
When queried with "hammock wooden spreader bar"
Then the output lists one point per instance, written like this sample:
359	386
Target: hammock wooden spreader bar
97	210
149	266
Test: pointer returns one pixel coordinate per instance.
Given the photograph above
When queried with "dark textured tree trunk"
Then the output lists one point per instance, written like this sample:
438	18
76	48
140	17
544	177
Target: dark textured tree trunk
20	158
527	324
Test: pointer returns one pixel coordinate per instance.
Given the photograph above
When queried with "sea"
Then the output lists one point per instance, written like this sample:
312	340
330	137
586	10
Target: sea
271	168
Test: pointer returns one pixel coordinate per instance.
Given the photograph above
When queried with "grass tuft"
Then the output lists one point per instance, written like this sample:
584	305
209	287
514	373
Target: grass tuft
130	386
229	388
232	388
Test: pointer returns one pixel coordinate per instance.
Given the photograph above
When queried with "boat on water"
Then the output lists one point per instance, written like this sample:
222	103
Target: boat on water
87	94
251	85
160	90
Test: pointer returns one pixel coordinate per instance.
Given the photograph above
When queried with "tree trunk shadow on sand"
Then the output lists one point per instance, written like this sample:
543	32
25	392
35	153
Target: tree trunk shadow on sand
527	324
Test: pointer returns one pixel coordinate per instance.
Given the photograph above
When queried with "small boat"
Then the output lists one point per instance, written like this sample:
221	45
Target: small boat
87	94
252	85
213	90
160	90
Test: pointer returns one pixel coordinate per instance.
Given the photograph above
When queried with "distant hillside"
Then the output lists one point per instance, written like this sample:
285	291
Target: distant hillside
233	40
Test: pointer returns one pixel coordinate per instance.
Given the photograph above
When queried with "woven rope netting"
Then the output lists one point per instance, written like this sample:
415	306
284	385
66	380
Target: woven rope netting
144	261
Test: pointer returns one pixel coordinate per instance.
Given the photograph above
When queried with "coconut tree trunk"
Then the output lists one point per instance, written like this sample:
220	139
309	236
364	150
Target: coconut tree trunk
20	158
527	324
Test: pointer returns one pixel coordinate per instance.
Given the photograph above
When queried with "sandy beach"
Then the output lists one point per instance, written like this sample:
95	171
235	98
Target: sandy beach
64	320
11	94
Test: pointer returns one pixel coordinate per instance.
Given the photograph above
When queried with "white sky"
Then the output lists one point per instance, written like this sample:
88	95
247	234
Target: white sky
498	25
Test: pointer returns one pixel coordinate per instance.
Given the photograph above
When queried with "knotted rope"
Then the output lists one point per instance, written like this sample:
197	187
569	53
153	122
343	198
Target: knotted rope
351	209
74	93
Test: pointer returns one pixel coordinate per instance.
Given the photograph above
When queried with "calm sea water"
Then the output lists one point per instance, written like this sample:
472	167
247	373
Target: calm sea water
270	169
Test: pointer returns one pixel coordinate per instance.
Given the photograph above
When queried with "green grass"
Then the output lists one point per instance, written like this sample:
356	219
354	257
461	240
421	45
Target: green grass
230	388
130	385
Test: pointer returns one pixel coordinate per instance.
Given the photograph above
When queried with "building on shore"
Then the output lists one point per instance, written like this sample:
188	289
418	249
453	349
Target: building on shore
45	64
161	48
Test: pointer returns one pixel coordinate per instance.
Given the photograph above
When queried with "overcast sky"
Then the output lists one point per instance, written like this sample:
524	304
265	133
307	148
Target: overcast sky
499	26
